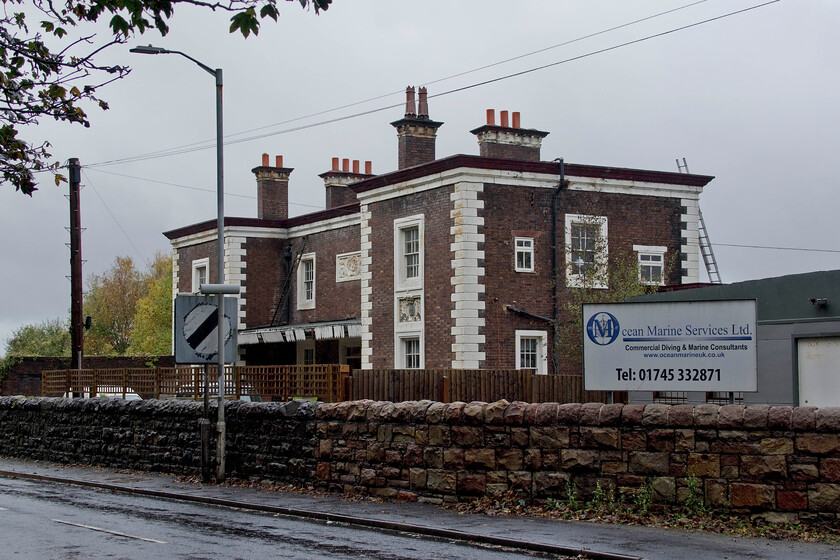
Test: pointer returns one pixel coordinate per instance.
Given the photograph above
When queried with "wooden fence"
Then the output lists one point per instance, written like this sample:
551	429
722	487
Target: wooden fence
471	385
330	383
322	382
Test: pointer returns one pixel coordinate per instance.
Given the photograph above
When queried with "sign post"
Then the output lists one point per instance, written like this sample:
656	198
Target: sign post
198	336
670	346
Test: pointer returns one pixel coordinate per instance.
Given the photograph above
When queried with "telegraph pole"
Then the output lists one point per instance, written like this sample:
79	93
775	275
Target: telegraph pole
76	319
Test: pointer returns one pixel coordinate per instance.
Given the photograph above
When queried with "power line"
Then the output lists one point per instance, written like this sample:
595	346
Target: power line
203	145
178	185
116	221
206	144
777	248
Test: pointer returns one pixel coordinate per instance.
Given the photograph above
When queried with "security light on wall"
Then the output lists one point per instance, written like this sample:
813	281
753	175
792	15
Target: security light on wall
819	302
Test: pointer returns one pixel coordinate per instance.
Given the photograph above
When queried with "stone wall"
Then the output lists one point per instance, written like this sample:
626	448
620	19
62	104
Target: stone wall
756	458
265	440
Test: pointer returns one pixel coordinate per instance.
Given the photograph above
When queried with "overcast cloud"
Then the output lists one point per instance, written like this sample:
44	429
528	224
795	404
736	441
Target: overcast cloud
750	99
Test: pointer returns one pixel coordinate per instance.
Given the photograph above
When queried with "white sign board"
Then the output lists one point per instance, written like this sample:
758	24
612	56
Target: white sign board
670	346
196	330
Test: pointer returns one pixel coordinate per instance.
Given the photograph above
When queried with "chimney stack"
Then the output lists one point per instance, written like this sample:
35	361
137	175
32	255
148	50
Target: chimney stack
272	189
337	181
508	142
416	132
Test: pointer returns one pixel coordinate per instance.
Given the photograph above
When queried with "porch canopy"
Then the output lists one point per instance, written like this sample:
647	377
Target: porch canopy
325	330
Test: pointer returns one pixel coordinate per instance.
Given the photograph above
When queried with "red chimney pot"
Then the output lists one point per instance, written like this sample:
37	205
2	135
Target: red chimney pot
368	168
345	164
503	118
515	119
265	160
335	164
279	161
491	117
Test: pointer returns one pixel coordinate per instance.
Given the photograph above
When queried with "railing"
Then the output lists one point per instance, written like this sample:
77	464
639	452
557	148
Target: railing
471	385
322	382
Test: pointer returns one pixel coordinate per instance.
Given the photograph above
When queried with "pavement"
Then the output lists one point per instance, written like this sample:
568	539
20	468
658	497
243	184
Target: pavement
569	538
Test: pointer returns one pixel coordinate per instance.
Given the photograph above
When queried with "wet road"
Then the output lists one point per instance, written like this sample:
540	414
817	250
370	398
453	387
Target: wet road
41	520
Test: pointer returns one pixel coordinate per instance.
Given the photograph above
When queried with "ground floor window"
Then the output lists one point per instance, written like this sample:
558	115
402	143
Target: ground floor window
411	352
670	397
531	351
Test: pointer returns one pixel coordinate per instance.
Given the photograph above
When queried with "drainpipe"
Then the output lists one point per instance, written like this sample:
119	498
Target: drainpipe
555	210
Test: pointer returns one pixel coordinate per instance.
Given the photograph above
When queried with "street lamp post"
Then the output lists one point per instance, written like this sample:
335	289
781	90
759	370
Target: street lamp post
220	204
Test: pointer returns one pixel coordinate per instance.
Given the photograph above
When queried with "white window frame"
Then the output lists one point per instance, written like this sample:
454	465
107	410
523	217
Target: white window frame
197	265
542	349
401	225
651	251
524	250
400	353
601	255
303	302
302	347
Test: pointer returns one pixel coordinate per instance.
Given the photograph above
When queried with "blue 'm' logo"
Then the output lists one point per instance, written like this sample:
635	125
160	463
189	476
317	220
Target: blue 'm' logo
602	328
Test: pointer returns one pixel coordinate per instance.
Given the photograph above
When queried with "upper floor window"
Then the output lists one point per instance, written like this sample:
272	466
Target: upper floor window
408	253
306	282
200	273
586	251
524	254
411	251
651	264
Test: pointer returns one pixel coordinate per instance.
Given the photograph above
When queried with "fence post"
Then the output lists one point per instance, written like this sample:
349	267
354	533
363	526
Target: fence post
237	375
446	389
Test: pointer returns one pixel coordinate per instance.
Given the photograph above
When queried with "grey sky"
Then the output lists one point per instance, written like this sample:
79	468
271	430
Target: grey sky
750	99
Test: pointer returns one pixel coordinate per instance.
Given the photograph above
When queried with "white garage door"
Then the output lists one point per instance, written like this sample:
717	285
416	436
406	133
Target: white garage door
819	371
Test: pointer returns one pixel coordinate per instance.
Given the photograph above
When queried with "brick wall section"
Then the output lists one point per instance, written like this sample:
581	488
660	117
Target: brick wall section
264	272
339	195
511	212
508	151
435	205
748	458
333	300
24	378
265	440
186	256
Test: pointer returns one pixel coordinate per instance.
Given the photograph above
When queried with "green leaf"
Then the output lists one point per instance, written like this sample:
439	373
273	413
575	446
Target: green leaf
119	25
269	10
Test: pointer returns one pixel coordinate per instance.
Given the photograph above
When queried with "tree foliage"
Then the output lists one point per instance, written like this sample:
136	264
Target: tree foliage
612	278
49	67
131	313
152	332
110	301
49	338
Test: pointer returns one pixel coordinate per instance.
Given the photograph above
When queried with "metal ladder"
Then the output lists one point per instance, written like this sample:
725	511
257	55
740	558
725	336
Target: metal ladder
283	300
705	244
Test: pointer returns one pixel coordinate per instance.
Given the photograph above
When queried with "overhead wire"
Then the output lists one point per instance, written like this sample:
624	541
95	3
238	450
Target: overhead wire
116	221
210	142
178	185
777	248
204	144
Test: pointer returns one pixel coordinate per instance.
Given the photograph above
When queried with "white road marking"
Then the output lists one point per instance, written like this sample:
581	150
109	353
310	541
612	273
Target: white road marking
117	533
3	509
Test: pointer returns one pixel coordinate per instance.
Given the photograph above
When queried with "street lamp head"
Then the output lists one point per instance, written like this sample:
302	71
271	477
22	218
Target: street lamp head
149	49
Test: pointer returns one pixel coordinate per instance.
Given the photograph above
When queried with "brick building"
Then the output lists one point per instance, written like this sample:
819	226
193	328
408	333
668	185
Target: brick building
443	263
